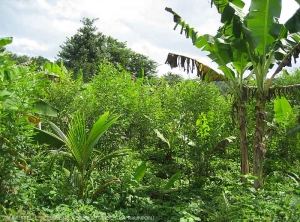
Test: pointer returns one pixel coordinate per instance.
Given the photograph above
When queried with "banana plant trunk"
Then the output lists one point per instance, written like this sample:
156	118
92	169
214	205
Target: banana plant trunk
243	139
259	149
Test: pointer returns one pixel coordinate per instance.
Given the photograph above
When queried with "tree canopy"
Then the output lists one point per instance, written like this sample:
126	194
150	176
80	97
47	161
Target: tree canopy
83	52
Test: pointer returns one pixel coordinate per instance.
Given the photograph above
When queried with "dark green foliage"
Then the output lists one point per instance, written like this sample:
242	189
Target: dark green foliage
33	62
84	51
20	89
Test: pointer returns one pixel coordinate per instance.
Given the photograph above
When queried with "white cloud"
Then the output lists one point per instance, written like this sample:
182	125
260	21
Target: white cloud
289	7
24	44
64	26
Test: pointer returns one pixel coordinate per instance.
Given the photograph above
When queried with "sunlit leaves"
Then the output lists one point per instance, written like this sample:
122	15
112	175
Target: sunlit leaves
284	114
202	126
5	41
259	21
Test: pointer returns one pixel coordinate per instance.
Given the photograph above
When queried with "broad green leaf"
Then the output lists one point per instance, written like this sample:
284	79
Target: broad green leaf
227	72
5	41
46	109
172	180
284	114
260	19
240	61
233	19
140	172
278	31
44	137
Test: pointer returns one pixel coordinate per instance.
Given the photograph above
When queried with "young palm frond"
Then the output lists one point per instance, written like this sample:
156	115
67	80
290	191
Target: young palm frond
81	147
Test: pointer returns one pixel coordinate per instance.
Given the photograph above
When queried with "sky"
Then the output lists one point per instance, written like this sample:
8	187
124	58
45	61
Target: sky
39	27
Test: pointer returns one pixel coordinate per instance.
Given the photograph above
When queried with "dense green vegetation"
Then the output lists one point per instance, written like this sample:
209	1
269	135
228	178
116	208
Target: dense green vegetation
252	42
184	158
83	51
118	144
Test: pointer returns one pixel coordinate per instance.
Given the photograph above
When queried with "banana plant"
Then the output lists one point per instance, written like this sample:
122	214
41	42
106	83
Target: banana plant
227	56
81	150
251	42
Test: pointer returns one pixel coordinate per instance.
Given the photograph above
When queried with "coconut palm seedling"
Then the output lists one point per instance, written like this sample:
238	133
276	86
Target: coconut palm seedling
81	150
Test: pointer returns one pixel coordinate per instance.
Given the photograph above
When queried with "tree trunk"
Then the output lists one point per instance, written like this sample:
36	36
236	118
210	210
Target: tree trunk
243	140
259	150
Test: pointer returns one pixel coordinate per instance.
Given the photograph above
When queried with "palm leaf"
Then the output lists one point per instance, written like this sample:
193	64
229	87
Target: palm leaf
58	132
77	138
49	138
99	128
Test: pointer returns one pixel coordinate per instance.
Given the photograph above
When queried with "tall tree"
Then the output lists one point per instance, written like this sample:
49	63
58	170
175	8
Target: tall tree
253	42
87	48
